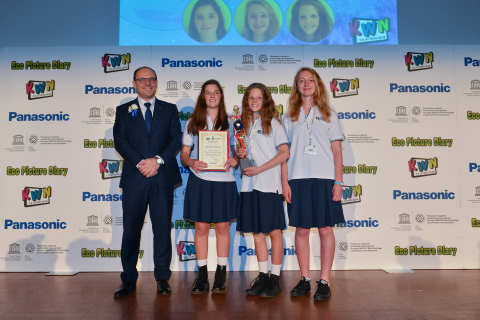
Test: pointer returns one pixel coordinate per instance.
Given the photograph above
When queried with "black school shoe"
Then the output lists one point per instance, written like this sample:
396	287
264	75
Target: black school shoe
220	279
273	288
201	284
258	284
300	289
323	292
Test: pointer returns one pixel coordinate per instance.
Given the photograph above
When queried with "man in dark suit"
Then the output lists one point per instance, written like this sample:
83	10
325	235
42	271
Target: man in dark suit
147	135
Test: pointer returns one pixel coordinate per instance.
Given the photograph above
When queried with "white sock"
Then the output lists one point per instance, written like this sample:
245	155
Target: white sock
307	279
276	269
263	266
201	263
222	261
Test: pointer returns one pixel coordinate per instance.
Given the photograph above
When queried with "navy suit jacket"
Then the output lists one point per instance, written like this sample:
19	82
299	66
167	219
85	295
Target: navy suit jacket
134	144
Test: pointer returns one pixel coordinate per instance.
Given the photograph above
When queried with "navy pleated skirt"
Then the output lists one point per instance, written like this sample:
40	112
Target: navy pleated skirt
210	201
312	205
261	212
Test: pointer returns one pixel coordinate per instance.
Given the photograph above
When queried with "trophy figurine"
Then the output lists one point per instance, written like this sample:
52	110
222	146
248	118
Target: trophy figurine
239	133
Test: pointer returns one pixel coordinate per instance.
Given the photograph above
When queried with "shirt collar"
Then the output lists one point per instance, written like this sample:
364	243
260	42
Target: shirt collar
313	110
142	102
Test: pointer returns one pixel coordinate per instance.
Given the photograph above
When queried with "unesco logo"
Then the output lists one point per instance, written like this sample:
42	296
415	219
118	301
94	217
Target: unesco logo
263	58
107	220
343	246
33	139
416	110
187	85
30	248
420	218
110	112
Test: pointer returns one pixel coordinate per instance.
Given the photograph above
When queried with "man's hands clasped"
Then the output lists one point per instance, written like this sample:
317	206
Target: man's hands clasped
148	167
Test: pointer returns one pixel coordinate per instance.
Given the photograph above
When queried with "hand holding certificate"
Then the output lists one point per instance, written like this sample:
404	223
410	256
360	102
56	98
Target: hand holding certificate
213	149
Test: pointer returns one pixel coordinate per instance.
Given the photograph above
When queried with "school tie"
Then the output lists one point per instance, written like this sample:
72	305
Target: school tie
148	116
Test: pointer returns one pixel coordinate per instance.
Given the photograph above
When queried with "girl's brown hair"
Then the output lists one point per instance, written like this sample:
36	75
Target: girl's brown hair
198	121
320	97
267	112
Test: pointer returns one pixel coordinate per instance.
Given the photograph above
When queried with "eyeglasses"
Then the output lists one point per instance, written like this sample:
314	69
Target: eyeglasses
144	80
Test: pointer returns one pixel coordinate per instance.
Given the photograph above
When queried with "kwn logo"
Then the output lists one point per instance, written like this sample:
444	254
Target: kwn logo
344	87
186	251
111	168
33	196
116	62
351	194
419	61
40	89
420	167
369	30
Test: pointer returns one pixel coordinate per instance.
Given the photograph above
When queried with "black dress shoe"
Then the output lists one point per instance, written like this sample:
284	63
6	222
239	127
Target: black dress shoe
301	288
163	287
201	284
258	284
125	289
323	292
220	279
273	288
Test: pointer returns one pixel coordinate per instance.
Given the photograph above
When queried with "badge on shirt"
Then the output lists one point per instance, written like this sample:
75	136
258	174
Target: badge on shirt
252	163
309	149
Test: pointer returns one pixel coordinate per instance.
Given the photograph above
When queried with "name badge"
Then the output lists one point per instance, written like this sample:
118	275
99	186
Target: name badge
309	149
252	163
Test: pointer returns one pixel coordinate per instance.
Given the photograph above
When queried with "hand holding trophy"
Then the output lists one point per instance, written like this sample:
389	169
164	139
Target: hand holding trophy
239	133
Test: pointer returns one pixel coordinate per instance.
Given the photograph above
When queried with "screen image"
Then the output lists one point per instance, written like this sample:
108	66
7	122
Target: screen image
252	22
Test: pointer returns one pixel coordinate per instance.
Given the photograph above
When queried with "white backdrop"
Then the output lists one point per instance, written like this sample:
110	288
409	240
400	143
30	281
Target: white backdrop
67	215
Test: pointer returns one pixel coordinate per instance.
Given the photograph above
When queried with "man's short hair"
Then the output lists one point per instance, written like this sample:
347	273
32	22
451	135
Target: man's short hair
145	67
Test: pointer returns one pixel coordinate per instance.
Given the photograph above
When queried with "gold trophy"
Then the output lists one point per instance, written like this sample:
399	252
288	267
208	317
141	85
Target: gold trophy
240	136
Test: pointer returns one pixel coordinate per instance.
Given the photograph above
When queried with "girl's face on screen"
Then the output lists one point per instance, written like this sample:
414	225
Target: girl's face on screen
258	19
206	21
308	19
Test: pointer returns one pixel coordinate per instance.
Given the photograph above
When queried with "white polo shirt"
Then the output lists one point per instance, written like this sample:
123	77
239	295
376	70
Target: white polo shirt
306	166
190	140
264	148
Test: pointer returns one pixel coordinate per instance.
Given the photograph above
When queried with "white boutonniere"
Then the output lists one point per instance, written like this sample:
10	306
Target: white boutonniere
133	109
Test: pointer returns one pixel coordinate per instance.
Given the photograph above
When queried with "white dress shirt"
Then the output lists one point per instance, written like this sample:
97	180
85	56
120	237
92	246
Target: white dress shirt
306	166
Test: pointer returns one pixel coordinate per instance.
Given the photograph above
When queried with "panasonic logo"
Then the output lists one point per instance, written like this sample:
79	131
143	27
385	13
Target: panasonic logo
423	195
358	224
38	117
101	197
35	225
191	63
441	88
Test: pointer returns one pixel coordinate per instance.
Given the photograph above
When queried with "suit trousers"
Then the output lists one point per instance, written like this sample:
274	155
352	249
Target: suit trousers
135	203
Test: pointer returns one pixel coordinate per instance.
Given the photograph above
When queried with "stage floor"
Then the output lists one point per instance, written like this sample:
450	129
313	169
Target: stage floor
425	294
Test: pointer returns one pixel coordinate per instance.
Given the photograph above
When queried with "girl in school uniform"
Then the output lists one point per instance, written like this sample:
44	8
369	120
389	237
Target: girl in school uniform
210	197
312	179
261	200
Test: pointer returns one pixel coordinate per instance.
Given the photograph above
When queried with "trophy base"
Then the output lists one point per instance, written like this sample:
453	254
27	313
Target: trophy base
244	163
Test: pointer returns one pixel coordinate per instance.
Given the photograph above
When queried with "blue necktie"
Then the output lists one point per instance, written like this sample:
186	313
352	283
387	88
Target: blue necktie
148	116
